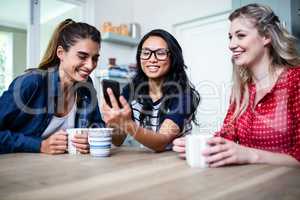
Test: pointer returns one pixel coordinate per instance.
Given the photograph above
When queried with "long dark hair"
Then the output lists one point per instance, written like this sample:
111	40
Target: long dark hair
66	34
175	81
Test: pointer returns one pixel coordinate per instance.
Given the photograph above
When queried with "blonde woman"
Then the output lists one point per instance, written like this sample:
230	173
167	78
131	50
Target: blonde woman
263	121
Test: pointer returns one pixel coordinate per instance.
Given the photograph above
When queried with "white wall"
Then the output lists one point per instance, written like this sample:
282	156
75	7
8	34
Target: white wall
48	27
205	49
165	13
117	12
150	14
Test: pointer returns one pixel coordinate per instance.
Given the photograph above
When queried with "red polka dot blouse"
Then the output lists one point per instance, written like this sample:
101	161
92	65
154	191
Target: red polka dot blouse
274	123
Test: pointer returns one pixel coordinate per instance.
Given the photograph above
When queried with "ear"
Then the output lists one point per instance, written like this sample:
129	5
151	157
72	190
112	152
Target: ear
267	40
60	52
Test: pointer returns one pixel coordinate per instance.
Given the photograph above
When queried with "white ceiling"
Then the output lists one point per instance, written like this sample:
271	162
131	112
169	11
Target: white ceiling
15	13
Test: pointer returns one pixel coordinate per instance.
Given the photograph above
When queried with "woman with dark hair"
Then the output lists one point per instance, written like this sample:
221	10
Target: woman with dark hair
263	121
40	104
162	101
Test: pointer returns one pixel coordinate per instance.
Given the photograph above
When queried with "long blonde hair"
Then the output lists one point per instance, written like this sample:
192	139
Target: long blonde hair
67	33
283	51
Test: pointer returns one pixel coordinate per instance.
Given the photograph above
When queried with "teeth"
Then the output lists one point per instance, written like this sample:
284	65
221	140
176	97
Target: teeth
237	53
84	73
153	68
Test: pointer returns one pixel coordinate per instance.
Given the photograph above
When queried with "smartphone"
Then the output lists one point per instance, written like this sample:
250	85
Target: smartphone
115	87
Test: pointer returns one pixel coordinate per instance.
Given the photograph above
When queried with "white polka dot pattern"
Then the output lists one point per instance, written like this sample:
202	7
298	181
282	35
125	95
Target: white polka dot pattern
274	123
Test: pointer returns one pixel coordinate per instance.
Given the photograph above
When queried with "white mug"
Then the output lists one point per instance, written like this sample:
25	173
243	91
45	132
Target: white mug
71	133
194	146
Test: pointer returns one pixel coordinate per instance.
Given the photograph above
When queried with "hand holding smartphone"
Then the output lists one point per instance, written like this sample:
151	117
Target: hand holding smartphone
115	87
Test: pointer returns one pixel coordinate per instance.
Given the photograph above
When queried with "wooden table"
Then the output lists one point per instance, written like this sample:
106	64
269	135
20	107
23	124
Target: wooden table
137	174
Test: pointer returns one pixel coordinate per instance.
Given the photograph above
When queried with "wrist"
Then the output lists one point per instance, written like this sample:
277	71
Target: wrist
131	128
254	156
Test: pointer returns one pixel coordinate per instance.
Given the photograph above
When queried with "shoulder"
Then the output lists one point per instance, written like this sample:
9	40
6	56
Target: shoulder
181	103
291	82
30	80
25	86
293	73
181	98
292	78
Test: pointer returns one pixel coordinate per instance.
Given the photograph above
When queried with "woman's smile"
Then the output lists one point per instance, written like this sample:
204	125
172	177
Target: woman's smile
153	68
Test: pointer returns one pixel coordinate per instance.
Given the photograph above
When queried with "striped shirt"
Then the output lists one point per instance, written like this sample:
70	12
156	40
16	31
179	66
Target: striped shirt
153	119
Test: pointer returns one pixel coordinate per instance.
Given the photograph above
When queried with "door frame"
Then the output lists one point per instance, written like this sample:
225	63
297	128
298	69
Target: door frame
214	91
33	27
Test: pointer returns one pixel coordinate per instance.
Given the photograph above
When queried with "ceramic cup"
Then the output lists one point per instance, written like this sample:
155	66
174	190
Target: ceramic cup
71	133
100	141
195	144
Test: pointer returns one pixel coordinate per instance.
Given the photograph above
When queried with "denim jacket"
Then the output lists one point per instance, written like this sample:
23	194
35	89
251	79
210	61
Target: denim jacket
29	104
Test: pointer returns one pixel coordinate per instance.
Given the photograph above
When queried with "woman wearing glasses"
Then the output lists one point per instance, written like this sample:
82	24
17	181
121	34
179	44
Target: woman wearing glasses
160	103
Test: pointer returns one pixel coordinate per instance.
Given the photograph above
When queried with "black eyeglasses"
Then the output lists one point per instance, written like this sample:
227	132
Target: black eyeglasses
160	54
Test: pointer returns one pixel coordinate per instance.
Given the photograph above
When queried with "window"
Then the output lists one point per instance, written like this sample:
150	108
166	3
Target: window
31	23
5	60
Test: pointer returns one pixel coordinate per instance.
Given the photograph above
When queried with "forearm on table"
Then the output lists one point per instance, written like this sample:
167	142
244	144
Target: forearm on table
149	138
266	157
17	142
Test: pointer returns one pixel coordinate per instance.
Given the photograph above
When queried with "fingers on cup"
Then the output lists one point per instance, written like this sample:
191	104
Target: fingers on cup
80	138
218	157
61	142
216	140
179	149
215	149
82	147
179	142
61	136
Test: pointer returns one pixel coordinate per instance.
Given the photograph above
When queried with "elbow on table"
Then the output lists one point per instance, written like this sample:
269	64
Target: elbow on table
159	149
117	143
162	147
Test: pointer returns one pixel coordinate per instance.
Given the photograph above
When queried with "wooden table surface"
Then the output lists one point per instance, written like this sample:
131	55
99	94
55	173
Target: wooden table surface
137	174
